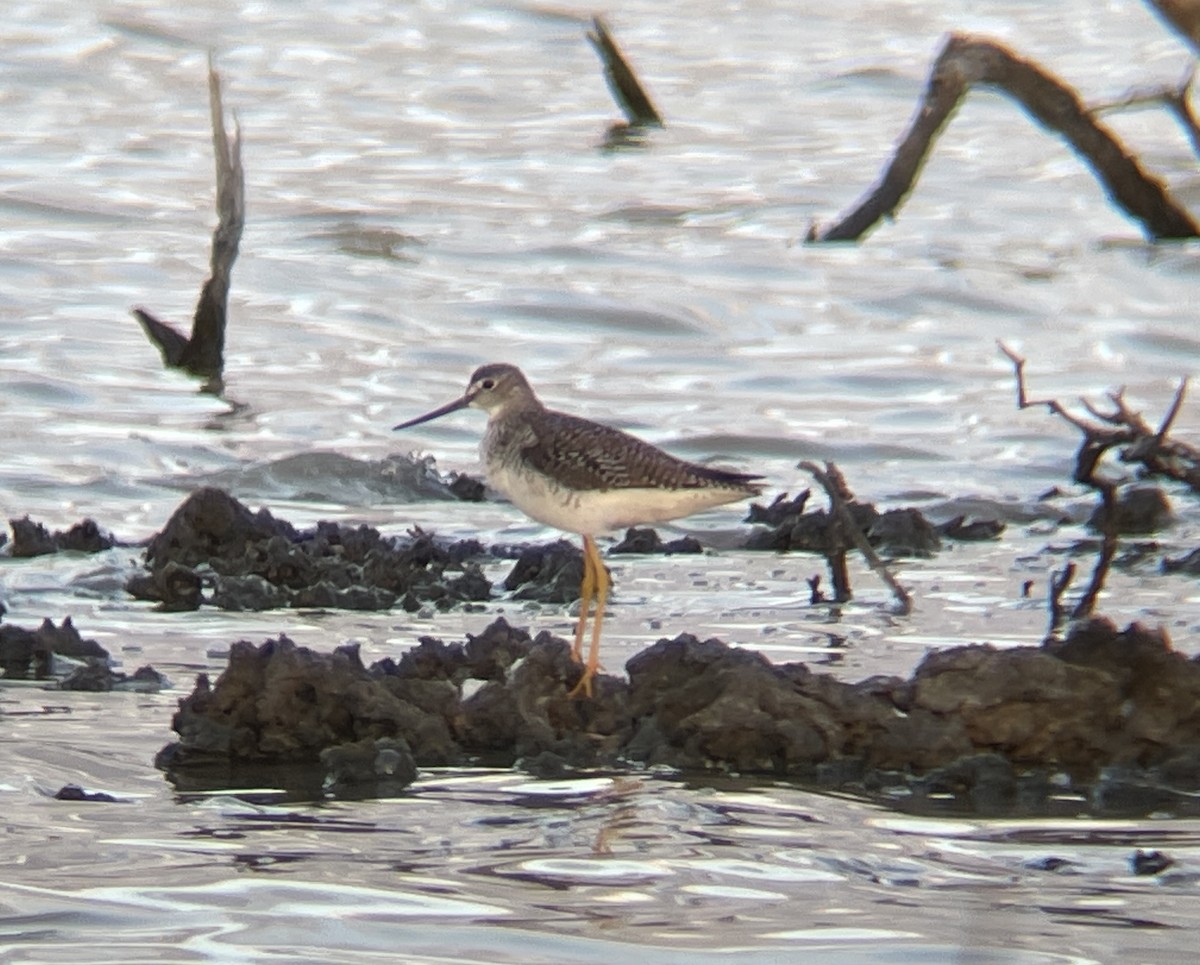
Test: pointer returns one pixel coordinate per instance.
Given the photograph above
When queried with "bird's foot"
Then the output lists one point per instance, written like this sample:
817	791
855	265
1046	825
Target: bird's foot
584	687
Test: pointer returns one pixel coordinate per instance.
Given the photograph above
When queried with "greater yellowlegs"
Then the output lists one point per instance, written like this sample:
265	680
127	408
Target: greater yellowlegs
584	478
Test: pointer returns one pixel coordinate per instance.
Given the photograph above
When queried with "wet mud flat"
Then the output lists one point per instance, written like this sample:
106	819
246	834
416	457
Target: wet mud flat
1103	721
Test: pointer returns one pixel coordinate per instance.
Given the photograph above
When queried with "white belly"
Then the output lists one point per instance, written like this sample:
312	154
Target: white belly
596	511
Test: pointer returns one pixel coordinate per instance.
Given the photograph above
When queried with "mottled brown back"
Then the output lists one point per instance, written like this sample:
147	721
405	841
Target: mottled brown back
585	456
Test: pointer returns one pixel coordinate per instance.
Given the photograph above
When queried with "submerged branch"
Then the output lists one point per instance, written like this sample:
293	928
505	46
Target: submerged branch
203	353
965	62
626	89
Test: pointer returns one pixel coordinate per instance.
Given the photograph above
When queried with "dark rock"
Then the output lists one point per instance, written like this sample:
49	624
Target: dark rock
1140	510
466	488
73	792
33	539
253	561
372	767
1188	564
430	659
491	654
1127	792
975	530
546	766
1051	863
780	510
89	678
988	781
28	655
175	587
648	541
809	532
100	678
1158	688
280	703
1022	703
1149	862
251	592
547	574
784	525
904	532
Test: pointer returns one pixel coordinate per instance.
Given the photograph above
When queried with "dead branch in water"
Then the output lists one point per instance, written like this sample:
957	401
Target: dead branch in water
625	87
842	525
1059	582
1122	428
1136	442
965	62
203	353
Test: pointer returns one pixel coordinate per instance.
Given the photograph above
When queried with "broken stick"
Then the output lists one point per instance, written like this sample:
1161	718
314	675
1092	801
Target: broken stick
842	524
626	89
203	354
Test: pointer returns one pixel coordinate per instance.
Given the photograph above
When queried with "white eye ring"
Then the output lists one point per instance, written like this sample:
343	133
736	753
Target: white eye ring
488	384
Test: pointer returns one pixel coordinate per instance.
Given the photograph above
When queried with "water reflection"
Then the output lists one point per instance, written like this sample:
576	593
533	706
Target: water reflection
613	860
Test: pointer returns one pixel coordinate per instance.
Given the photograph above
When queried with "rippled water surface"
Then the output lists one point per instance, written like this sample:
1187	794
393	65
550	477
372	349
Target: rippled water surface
428	189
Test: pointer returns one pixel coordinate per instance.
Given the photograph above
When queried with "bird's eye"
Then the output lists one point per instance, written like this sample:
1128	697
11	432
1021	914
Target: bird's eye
488	384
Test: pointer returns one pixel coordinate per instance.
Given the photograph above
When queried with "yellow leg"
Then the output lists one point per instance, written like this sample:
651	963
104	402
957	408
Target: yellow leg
600	584
586	592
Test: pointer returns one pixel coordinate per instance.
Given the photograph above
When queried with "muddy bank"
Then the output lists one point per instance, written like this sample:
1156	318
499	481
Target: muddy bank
1107	721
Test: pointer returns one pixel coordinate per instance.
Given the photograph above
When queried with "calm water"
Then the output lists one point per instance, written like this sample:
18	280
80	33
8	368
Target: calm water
427	190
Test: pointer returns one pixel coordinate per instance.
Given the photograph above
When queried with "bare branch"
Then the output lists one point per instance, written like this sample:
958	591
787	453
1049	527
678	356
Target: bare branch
203	353
834	484
626	89
965	62
1059	582
1172	412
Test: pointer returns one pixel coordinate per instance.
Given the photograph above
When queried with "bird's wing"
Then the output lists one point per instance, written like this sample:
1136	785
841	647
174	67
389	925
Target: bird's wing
585	455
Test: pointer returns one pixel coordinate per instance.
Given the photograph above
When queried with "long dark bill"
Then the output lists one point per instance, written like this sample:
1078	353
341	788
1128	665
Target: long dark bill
436	413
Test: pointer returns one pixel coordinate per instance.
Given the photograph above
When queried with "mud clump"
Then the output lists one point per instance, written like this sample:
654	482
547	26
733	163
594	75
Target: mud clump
997	730
215	551
281	703
784	525
1139	511
547	574
29	654
59	653
33	539
646	540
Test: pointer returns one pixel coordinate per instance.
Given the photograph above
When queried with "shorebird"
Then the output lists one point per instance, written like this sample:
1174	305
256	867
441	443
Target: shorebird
583	477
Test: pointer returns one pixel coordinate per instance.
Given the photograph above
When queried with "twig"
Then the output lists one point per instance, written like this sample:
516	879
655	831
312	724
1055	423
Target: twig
1058	586
1150	448
1120	427
965	62
834	484
1085	472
